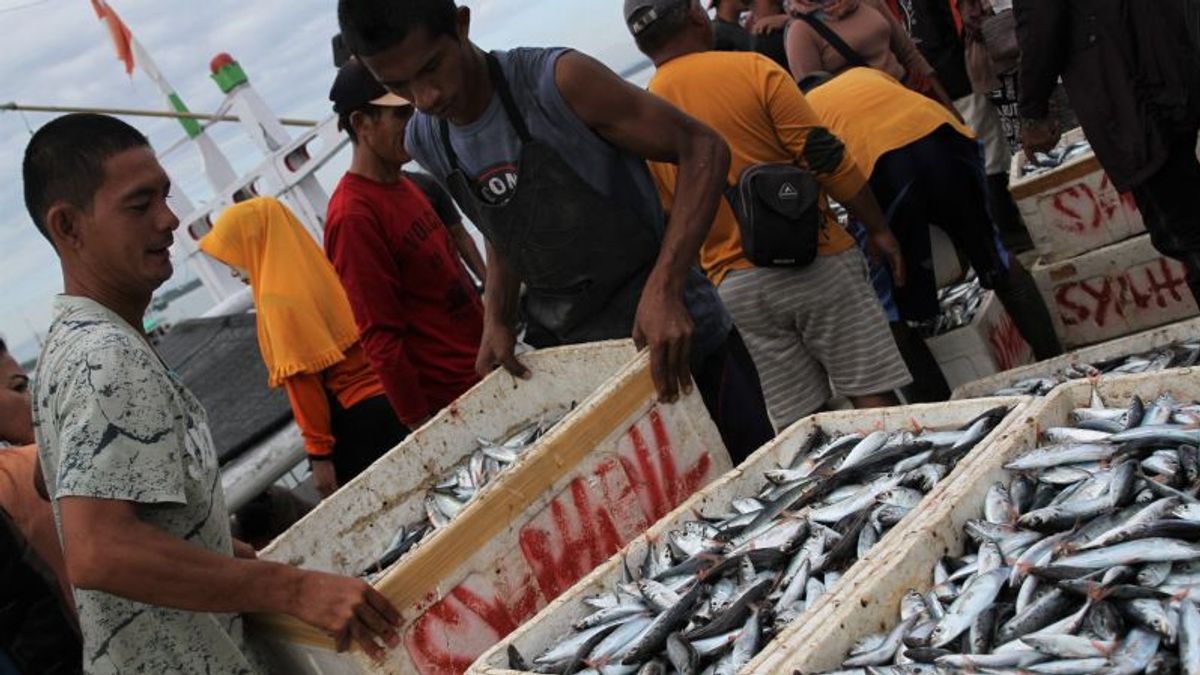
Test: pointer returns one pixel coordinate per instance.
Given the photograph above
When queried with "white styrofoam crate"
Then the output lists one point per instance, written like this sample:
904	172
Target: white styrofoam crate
1073	208
1105	351
615	465
553	623
1117	290
869	602
989	344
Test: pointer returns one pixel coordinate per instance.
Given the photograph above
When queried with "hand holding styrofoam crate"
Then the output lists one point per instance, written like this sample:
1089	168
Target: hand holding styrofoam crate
1073	208
608	470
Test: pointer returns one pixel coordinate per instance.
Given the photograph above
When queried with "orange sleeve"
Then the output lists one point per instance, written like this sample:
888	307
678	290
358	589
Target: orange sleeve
310	406
801	131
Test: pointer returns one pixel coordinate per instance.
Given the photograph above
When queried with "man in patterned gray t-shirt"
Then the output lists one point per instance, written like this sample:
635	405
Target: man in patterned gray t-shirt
125	447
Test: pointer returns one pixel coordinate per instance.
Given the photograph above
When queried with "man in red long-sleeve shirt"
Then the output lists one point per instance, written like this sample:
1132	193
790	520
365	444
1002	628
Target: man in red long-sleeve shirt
417	310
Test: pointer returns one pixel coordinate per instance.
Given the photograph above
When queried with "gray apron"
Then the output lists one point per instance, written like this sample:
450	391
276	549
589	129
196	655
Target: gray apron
583	257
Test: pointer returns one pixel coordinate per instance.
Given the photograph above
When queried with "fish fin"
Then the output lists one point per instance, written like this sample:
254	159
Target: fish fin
1096	593
1105	648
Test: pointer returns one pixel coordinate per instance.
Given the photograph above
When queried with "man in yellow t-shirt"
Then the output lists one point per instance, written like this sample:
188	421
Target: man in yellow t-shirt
807	328
926	168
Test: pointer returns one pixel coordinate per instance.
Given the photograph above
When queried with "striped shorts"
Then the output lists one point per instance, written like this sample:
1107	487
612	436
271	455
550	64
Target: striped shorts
814	332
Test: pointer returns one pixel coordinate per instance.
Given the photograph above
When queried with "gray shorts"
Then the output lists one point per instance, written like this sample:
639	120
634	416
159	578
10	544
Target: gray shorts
814	332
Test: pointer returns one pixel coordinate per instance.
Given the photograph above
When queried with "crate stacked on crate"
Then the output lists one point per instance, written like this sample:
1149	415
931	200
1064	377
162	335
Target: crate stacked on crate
1083	606
1098	272
659	598
465	565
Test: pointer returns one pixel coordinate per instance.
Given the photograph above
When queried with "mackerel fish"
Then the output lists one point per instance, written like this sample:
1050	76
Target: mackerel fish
957	306
1181	354
711	593
459	485
1042	162
1096	575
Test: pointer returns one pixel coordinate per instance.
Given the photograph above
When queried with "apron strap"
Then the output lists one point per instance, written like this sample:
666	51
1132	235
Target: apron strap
510	110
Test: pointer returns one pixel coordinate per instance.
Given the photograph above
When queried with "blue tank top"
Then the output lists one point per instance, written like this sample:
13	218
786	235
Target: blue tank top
488	151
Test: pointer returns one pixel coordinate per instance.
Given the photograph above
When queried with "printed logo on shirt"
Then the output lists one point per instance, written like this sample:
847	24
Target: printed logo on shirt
497	184
424	225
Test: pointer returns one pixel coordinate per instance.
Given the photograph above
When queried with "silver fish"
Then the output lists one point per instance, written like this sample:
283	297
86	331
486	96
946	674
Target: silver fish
1069	666
886	651
1189	638
976	597
1135	653
1132	553
1070	646
614	644
458	486
1109	584
566	651
682	655
1070	453
705	592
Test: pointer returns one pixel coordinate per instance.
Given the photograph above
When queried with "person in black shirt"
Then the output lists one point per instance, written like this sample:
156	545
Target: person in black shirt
932	27
768	26
36	633
728	32
1132	73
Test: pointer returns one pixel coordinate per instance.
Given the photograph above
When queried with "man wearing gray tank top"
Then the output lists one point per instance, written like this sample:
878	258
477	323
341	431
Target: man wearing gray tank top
545	151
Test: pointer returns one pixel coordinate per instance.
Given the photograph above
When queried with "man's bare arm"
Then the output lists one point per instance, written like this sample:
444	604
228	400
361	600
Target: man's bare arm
881	243
649	127
108	548
468	250
500	294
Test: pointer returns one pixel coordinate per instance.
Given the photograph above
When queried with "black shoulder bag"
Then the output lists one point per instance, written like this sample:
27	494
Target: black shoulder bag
778	206
778	214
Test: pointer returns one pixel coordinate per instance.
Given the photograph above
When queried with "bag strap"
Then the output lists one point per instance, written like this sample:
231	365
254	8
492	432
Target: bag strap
853	58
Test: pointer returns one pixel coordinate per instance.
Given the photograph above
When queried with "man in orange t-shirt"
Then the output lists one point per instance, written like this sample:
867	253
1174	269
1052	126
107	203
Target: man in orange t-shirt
809	327
926	169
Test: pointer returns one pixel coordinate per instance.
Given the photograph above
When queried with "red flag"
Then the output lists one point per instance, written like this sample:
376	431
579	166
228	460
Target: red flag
121	37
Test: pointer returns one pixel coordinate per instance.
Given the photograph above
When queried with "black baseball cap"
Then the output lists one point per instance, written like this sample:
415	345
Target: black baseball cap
355	88
641	14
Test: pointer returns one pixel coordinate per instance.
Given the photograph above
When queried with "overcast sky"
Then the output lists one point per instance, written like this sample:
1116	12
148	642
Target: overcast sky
57	53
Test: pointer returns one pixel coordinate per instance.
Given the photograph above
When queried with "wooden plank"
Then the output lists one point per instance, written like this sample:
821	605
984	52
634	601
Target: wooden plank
869	602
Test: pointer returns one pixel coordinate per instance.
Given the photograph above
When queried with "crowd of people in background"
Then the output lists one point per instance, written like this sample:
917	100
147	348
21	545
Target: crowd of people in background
607	211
